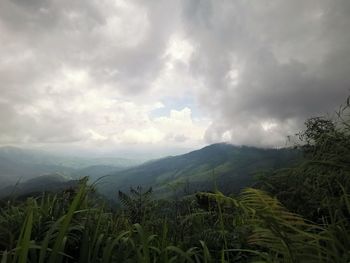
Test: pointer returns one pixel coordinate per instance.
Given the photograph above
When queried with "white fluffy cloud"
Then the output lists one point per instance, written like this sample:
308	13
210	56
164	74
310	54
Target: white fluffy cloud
71	110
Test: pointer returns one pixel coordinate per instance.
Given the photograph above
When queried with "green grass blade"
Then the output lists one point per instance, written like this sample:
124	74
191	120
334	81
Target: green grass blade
4	257
25	241
65	225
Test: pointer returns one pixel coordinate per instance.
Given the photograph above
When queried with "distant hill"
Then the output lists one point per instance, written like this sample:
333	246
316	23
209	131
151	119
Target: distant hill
45	183
20	165
231	167
96	171
75	162
17	164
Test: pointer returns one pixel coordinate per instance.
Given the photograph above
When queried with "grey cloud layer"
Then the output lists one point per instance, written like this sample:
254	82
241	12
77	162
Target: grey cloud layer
263	66
116	43
291	60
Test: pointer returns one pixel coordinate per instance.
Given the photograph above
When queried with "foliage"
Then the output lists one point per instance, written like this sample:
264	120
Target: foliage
252	226
137	204
315	187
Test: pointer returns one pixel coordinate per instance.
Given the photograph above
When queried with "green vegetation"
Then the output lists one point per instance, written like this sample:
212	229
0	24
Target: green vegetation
231	168
296	214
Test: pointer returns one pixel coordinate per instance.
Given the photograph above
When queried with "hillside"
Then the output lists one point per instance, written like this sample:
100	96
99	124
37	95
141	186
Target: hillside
20	165
45	183
231	167
94	172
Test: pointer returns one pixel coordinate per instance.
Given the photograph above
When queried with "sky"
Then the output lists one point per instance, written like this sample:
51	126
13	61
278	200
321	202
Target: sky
167	75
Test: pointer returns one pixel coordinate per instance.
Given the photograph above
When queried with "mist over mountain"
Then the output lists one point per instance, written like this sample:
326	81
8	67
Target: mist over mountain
18	165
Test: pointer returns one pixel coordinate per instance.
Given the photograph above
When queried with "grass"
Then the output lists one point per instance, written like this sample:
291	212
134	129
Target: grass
253	226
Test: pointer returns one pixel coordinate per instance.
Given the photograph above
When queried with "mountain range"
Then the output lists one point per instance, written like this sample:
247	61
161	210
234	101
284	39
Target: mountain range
224	166
18	165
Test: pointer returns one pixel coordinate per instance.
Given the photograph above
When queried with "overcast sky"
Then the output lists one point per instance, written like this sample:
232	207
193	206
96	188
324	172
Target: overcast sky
168	74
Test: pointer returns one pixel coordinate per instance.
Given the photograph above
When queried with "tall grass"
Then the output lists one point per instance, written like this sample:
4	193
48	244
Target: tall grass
75	229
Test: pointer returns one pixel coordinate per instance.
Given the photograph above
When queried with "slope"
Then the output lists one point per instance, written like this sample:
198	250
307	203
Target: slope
37	185
229	167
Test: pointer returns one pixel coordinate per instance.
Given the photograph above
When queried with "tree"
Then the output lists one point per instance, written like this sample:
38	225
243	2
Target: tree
315	187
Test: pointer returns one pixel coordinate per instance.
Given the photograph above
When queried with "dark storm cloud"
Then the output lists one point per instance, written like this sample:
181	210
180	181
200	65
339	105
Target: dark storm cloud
269	64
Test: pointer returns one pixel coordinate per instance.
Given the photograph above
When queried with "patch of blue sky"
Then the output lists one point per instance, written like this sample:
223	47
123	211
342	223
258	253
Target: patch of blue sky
176	103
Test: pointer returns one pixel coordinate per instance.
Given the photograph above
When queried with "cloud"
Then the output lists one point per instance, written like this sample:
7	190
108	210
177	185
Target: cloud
94	72
268	61
178	127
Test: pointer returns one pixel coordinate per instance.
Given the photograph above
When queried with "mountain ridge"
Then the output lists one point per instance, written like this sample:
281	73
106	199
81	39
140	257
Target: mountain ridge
223	162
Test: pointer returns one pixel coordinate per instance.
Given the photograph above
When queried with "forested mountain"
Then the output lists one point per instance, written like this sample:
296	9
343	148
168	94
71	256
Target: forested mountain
229	167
